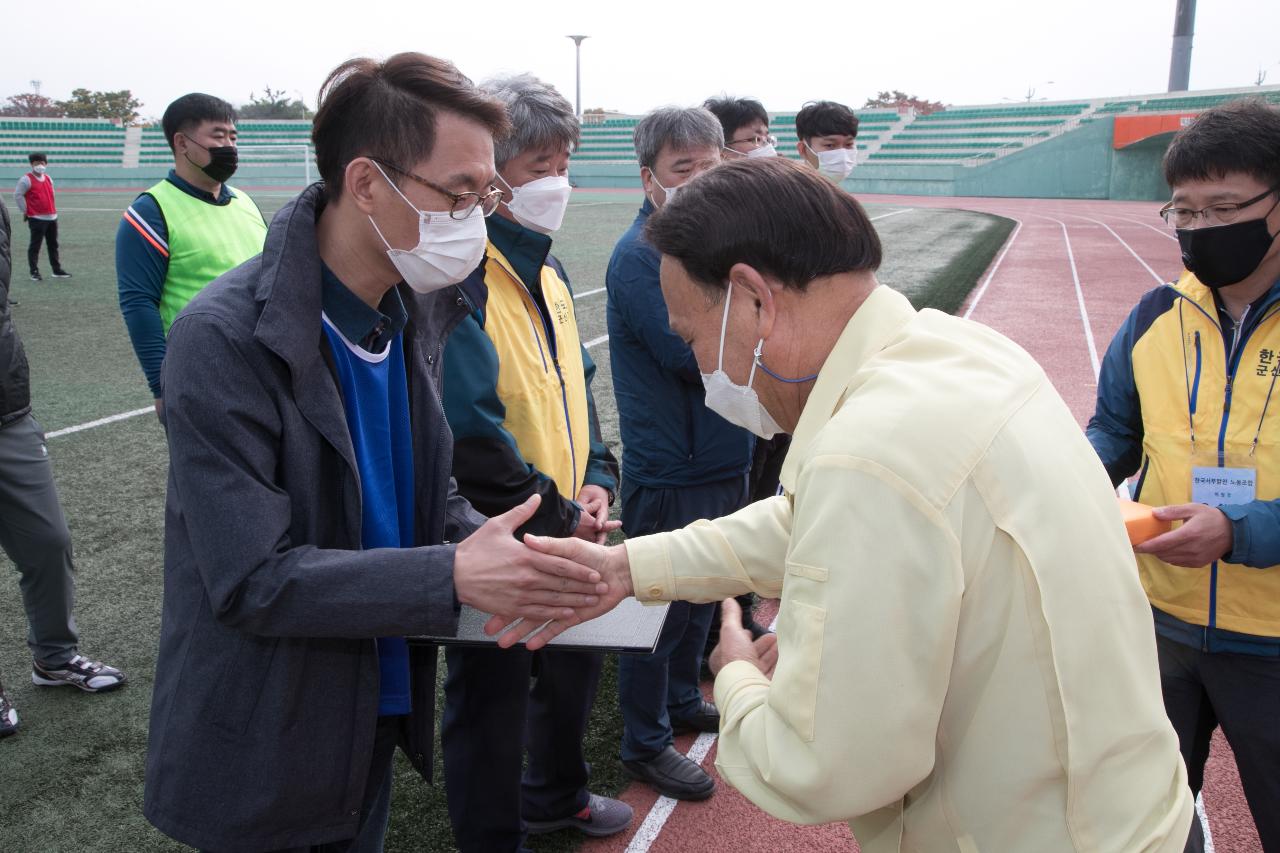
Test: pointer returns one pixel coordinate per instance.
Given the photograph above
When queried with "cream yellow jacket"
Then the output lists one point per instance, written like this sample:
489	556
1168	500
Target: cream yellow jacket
967	660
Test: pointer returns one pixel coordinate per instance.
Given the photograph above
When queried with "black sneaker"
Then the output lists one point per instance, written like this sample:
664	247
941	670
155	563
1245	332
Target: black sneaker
8	715
35	276
62	274
88	675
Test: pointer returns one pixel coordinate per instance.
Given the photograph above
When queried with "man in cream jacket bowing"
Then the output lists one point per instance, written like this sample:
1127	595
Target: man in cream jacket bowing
964	657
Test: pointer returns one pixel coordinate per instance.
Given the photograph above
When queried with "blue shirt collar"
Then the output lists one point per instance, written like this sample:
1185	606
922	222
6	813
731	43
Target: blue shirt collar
224	194
365	327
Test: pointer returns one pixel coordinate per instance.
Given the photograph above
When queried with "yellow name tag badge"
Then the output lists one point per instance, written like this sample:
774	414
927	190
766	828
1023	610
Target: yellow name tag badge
1223	486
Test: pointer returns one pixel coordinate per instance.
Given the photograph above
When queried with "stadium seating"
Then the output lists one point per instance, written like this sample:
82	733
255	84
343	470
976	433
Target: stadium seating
65	141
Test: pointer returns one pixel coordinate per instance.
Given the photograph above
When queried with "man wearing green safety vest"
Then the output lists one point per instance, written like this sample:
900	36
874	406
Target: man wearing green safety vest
186	230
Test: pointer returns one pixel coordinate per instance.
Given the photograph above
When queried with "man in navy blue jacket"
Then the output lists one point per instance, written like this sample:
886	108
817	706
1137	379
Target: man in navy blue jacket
681	461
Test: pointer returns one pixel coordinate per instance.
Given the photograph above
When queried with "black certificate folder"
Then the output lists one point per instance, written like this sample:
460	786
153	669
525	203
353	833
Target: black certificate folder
631	627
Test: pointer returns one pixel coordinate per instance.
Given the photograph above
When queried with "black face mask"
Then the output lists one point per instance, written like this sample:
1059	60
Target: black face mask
1225	254
222	162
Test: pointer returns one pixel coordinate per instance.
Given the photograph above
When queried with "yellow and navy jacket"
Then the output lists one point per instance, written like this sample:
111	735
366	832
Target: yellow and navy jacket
517	387
1180	372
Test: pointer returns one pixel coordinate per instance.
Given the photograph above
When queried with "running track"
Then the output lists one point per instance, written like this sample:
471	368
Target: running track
1060	288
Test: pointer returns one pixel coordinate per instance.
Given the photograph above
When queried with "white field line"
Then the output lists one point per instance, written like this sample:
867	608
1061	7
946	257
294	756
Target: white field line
1136	256
892	213
585	294
1084	313
596	341
996	266
662	809
100	422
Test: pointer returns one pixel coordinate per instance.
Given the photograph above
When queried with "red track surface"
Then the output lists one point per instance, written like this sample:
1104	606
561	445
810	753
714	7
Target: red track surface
1034	297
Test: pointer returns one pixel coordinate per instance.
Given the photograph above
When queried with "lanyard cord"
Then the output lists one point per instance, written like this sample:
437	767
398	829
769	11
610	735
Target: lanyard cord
1186	372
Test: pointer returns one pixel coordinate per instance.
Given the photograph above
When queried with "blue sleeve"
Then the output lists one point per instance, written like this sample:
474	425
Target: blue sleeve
1115	430
1256	530
636	290
142	262
602	465
490	471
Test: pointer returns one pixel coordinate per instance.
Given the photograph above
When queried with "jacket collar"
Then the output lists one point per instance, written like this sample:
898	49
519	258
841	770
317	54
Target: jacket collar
1191	289
879	319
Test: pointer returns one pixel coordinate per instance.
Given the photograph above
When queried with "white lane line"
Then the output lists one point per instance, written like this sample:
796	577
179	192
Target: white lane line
1203	817
1084	313
1163	232
100	422
596	341
1136	256
996	266
578	296
662	809
119	210
892	213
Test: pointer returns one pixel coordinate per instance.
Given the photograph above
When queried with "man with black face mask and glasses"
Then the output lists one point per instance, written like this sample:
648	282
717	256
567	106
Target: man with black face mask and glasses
186	230
1183	401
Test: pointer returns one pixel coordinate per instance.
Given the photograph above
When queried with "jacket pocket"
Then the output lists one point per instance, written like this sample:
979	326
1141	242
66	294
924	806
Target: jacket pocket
795	685
239	687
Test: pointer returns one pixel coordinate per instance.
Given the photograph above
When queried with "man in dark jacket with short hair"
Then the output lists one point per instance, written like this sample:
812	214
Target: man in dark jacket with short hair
33	530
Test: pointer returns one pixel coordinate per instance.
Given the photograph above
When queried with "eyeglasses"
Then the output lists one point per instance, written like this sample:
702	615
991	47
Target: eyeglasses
756	141
1214	214
462	204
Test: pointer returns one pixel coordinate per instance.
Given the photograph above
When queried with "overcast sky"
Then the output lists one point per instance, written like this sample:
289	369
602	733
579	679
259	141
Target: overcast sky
644	54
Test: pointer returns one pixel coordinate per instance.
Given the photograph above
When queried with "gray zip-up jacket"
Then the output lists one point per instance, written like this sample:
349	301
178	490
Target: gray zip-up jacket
266	690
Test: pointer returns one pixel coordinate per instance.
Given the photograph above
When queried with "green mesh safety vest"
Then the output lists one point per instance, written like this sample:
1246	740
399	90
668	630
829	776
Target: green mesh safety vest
205	240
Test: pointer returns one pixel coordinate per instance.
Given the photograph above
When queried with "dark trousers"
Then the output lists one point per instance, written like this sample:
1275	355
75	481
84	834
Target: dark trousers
375	809
1241	693
43	230
657	688
33	532
491	717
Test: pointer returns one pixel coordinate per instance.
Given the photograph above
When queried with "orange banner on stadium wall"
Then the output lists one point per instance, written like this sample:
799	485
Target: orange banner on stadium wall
1131	129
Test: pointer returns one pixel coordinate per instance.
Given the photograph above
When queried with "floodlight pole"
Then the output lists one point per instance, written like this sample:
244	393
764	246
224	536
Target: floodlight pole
1184	25
577	49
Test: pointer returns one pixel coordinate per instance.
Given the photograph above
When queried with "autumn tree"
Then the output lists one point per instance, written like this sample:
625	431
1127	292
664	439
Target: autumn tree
898	99
31	105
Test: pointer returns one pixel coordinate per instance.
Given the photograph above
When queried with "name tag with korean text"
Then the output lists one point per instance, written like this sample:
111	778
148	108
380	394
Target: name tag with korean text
1223	486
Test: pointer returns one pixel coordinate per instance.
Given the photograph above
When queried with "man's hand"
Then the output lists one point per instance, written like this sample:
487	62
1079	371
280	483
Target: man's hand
613	568
594	524
1205	536
736	644
495	573
160	408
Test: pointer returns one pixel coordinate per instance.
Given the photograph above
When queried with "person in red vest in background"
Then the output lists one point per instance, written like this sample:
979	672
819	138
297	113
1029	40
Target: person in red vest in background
34	196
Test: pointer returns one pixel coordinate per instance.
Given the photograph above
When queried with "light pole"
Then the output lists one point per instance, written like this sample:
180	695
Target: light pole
577	50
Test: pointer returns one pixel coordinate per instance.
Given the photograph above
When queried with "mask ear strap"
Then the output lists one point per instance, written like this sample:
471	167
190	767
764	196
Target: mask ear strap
394	187
724	325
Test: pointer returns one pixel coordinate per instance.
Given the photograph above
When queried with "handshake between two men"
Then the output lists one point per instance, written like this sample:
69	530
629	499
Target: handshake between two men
540	588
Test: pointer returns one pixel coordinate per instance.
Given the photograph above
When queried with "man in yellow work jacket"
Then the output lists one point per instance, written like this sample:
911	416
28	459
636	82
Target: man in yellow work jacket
517	395
1186	402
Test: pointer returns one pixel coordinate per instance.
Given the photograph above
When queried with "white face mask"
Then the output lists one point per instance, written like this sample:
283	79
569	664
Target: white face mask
448	249
540	205
837	163
39	170
668	193
763	151
738	404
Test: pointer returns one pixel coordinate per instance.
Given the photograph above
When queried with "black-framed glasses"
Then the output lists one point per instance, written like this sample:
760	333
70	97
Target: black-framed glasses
756	141
461	204
1215	214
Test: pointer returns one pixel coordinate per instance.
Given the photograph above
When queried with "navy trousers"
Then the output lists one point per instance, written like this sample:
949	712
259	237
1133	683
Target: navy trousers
491	716
655	689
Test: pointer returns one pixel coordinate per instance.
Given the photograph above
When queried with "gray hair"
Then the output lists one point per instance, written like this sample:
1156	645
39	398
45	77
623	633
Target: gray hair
680	127
540	116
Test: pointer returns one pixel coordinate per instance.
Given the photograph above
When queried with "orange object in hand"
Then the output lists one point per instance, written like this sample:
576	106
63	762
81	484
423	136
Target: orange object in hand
1141	523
